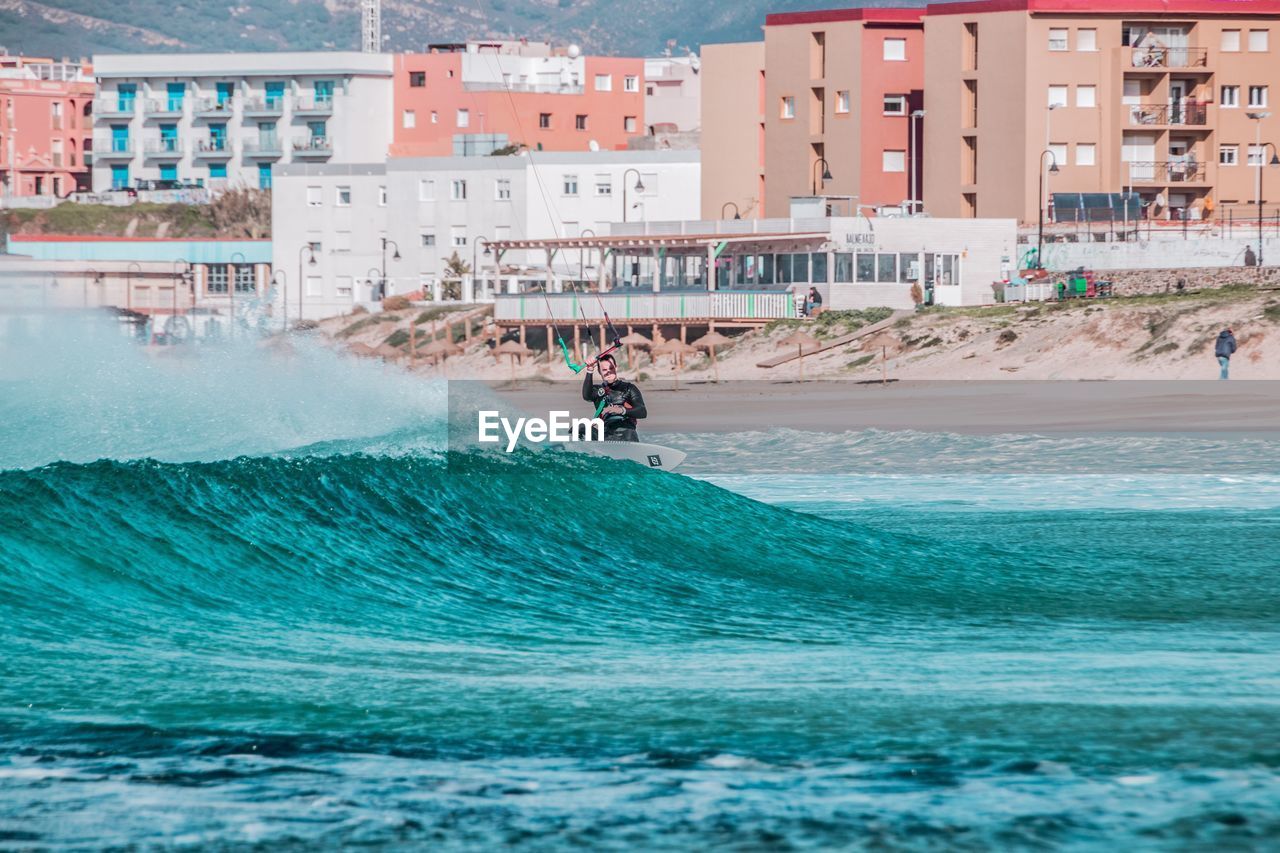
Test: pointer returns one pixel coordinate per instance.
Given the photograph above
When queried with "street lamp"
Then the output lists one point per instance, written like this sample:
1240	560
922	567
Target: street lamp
179	276
582	251
826	173
231	288
284	297
915	161
1262	161
1053	170
382	284
736	213
475	268
372	276
128	296
639	189
311	262
97	279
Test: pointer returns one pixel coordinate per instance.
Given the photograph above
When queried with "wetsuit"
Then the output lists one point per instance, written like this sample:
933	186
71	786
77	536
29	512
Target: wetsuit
620	393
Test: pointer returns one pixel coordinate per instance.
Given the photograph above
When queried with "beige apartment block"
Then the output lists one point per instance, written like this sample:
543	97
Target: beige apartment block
733	130
1168	99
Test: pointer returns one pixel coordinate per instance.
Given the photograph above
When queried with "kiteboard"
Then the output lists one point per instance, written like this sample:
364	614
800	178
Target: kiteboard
648	455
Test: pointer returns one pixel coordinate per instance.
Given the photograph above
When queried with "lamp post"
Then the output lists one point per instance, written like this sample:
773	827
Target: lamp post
128	294
582	266
382	284
372	275
915	161
311	262
284	297
179	276
826	172
1053	170
97	279
475	268
1262	162
231	288
639	189
736	213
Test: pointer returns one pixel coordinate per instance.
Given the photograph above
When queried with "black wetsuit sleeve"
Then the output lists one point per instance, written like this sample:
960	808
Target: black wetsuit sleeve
637	409
588	388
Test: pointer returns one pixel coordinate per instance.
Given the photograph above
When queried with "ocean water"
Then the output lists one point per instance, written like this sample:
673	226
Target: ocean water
251	599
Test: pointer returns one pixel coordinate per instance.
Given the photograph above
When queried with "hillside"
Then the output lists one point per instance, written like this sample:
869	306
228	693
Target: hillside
84	27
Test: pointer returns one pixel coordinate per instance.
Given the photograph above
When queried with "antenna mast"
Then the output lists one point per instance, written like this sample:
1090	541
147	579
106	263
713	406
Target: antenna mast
371	26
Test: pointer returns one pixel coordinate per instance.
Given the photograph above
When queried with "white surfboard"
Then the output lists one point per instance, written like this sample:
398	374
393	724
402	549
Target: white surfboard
648	455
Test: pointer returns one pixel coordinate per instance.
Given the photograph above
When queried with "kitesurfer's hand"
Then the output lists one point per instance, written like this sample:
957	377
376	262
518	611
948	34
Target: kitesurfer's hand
591	364
614	410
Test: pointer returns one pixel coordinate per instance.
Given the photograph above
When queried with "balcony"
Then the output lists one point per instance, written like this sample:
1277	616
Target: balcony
114	108
213	148
214	108
1162	59
264	106
1162	172
114	149
313	106
165	148
164	108
312	146
263	148
1169	115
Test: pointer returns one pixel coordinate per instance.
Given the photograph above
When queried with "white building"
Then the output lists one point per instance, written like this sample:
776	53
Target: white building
673	93
426	209
173	120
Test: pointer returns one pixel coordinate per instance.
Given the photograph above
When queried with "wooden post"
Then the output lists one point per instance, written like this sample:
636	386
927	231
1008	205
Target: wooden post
551	343
577	343
522	328
684	333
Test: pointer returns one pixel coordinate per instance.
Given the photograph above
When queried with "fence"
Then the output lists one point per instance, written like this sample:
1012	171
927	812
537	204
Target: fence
645	306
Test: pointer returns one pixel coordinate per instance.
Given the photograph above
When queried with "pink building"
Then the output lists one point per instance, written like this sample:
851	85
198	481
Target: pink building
46	126
469	99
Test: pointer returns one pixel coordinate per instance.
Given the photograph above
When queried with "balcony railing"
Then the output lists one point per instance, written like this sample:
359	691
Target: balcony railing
1169	57
213	147
114	107
264	106
263	147
114	149
1186	171
164	107
535	88
1188	115
312	146
313	106
164	147
214	108
646	305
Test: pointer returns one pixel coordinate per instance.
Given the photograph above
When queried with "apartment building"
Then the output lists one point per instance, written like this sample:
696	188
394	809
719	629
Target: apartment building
408	216
673	93
460	100
45	126
184	120
1056	98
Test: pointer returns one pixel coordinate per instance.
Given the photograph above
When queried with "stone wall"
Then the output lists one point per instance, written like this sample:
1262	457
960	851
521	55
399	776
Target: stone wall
1137	282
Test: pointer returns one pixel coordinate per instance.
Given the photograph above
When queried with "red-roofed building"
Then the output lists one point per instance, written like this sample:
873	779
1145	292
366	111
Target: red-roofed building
45	126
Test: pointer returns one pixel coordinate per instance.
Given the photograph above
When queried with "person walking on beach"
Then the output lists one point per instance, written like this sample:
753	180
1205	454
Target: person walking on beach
622	402
1224	349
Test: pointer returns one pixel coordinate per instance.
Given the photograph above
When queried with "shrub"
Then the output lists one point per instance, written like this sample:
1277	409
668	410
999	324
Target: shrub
395	303
1008	336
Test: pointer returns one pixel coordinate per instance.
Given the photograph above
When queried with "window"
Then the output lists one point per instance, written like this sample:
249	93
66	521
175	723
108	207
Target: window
1087	40
604	185
435	117
886	268
631	83
1231	41
1230	97
895	161
464	118
544	121
1258	96
458	190
344	285
417	79
1258	41
217	170
1255	154
789	107
502	189
315	196
1057	96
842	101
1086	154
895	50
865	266
314	287
1228	155
344	197
428	240
843	268
895	105
629	124
1087	96
382	196
570	184
410	119
458	237
580	122
604	82
426	190
216	282
1058	38
245	278
1058	153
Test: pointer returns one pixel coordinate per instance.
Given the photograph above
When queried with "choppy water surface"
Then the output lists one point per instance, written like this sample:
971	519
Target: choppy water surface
895	639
